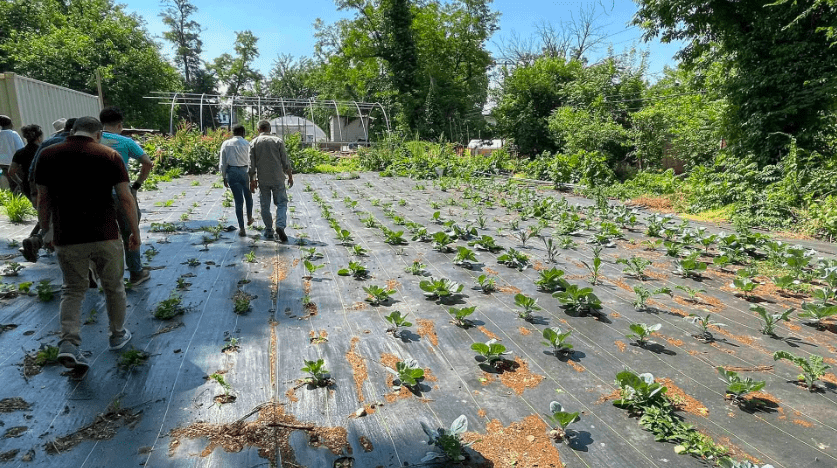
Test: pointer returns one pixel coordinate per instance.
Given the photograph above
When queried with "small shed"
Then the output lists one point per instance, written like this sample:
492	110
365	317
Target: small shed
291	124
484	147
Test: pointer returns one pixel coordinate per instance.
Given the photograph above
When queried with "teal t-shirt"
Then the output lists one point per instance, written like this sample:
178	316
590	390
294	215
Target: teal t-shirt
125	146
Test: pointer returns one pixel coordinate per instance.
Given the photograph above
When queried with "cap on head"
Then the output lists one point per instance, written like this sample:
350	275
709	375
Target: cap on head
58	125
264	126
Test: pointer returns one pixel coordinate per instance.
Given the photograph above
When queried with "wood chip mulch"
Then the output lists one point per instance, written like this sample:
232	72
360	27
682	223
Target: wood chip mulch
682	401
520	378
488	333
359	372
427	330
524	444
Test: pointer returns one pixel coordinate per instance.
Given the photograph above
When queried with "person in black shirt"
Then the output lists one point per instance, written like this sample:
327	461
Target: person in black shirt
19	169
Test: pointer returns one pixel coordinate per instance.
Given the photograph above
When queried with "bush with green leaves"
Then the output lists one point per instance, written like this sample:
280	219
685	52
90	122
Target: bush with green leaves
551	280
491	352
449	441
377	295
407	373
578	300
812	368
460	316
440	288
641	332
318	375
398	321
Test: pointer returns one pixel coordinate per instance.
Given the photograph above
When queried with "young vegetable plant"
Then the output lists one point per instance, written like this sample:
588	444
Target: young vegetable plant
556	339
597	264
250	257
447	440
465	257
219	379
491	352
737	387
551	280
643	294
344	236
635	267
514	259
639	392
407	373
528	306
358	251
442	242
460	316
703	323
241	302
440	288
816	313
812	368
378	295
722	262
689	267
44	290
417	268
311	268
691	292
770	320
311	254
561	419
485	242
641	332
369	221
551	248
318	375
578	300
393	237
397	321
485	283
745	285
355	269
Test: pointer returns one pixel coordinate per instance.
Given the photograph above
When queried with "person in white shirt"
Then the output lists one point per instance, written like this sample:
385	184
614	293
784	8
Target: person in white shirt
234	165
10	142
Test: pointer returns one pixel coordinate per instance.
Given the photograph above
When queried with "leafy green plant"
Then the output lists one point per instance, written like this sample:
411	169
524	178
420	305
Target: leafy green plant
344	236
250	257
311	254
442	242
635	266
355	270
449	441
642	294
673	249
689	267
737	387
637	393
487	243
514	259
527	304
241	302
397	321
311	268
770	320
691	292
817	312
460	316
551	280
407	373
641	332
703	323
551	249
722	262
12	268
46	355
491	352
578	300
813	368
417	268
597	264
169	308
369	221
132	358
464	257
377	295
440	288
318	375
744	285
561	419
393	237
18	208
556	339
44	290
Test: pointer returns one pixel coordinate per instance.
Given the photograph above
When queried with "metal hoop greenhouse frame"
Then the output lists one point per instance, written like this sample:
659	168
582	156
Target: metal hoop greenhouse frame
257	103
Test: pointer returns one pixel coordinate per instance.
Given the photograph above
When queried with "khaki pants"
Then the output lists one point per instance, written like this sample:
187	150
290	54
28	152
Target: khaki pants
106	257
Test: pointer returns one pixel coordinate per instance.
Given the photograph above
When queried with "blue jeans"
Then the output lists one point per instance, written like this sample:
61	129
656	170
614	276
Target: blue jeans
133	259
280	199
239	183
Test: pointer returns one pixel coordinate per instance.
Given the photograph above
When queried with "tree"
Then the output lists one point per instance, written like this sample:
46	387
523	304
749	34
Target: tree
67	43
184	34
781	69
237	72
291	78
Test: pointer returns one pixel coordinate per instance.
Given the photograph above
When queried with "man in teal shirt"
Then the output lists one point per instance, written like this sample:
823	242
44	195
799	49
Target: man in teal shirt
111	118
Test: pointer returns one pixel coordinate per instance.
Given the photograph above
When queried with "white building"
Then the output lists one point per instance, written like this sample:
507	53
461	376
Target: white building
291	124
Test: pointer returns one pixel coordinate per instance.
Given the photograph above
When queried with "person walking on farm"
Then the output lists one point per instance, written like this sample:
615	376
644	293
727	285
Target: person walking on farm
75	182
111	118
10	143
19	169
268	165
234	165
42	237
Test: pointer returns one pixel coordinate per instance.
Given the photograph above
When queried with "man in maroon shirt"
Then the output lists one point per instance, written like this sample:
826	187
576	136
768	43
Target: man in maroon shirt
75	180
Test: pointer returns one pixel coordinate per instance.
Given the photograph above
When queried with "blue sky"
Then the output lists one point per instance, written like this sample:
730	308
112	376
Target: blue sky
287	28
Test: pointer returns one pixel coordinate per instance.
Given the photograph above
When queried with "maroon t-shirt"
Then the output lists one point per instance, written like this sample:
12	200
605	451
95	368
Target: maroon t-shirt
80	175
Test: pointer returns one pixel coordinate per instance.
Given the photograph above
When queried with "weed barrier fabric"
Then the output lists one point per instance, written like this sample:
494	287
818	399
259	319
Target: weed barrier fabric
173	389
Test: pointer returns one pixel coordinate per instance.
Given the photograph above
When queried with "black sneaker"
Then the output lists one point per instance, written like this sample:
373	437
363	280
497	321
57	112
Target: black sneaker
119	341
139	277
268	234
282	236
70	357
31	245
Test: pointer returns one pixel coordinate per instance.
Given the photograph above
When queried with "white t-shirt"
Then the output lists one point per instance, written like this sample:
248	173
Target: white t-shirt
10	142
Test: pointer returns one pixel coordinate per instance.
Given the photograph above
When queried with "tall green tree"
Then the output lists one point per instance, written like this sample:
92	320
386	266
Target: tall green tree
184	34
66	43
237	72
781	67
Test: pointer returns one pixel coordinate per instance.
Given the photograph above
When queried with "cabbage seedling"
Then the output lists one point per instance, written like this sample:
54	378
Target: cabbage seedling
641	332
812	368
318	375
447	440
465	257
561	419
635	267
737	387
397	321
551	280
378	295
491	351
703	323
528	306
555	338
815	313
355	269
407	373
486	283
459	316
312	268
770	320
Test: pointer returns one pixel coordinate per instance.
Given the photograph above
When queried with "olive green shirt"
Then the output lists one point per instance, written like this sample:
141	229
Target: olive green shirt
269	161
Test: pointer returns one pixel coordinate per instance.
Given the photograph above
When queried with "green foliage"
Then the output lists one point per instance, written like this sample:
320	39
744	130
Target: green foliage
318	375
447	440
132	358
738	387
16	206
46	355
377	295
44	290
812	368
578	300
635	266
397	320
241	302
514	259
556	339
491	352
486	283
770	320
642	331
169	308
407	372
551	280
355	269
460	316
527	305
561	419
440	288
